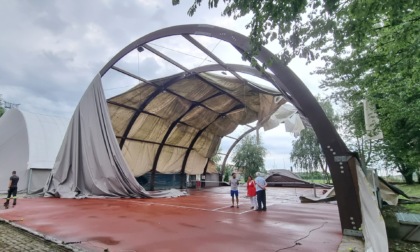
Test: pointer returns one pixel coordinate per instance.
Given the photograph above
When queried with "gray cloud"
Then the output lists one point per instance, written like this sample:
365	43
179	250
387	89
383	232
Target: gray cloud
50	50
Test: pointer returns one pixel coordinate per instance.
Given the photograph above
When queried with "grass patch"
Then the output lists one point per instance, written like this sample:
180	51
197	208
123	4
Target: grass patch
412	208
392	225
317	181
412	191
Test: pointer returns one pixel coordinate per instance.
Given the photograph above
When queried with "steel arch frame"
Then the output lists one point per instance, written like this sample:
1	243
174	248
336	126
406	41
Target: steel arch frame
340	160
164	87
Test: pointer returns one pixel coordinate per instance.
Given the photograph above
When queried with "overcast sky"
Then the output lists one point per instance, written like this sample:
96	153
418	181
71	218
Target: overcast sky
50	50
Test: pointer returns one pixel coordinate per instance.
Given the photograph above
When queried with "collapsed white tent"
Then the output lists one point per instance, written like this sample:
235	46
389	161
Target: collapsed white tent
176	131
29	144
90	162
168	125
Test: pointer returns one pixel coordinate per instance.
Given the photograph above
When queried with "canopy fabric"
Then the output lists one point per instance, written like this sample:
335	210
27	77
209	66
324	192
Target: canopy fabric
45	131
89	162
287	114
371	121
172	125
182	126
29	144
373	225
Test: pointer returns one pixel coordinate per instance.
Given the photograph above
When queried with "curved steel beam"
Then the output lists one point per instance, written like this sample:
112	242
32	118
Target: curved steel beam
333	146
232	147
173	79
168	133
203	183
177	77
141	108
187	154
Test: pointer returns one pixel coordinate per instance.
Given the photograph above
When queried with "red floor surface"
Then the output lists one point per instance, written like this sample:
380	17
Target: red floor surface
202	221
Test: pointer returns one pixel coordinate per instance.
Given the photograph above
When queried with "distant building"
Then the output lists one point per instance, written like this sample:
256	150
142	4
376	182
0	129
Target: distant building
29	144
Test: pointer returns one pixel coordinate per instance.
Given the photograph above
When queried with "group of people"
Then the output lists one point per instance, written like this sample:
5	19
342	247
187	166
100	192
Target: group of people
255	191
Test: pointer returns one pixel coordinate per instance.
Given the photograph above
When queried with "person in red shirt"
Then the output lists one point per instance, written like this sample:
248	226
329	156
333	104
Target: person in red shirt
252	192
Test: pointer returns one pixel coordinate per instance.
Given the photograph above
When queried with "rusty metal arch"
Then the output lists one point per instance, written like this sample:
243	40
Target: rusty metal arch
342	164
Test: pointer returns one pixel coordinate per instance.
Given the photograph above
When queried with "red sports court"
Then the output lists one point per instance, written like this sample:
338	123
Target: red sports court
202	221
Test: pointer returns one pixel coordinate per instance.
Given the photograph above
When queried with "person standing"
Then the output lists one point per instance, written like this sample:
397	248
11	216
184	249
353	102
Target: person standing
261	184
13	182
251	192
234	182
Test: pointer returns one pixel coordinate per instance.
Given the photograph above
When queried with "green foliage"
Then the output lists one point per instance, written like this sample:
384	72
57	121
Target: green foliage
281	20
354	133
249	156
1	111
309	28
228	168
371	52
412	191
307	152
228	172
311	175
384	69
216	158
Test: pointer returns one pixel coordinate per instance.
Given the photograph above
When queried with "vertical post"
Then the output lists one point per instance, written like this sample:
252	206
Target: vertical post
28	190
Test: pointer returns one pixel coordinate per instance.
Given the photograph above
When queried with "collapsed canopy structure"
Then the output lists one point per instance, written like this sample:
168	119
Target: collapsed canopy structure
178	130
172	122
283	177
29	144
171	125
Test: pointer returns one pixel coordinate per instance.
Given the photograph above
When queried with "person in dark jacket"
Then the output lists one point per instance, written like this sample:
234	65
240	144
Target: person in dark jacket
13	182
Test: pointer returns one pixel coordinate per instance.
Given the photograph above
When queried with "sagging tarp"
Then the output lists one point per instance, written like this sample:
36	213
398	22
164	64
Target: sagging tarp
373	225
283	177
89	162
195	112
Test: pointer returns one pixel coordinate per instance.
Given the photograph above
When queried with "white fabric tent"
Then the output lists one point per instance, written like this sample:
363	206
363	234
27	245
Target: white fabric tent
29	144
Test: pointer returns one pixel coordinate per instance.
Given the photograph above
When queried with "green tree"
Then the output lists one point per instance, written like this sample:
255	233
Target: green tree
1	111
384	70
249	156
354	132
310	28
307	152
370	49
228	172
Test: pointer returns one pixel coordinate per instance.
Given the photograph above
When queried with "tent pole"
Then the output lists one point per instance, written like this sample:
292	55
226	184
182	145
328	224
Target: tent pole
29	181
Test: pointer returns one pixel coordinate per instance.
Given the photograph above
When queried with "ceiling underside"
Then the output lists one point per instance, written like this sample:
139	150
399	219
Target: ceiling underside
175	123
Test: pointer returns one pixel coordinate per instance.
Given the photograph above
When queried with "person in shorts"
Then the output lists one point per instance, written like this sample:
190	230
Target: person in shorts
234	182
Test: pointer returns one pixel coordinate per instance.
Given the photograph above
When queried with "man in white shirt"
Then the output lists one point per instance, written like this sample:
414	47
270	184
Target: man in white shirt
234	182
261	184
